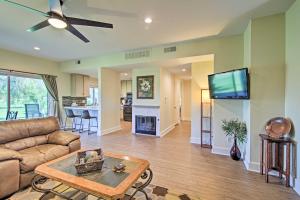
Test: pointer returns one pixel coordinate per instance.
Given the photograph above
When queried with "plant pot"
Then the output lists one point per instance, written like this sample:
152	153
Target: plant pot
235	153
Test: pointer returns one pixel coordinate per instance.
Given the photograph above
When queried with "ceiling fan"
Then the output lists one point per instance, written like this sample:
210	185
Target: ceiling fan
58	20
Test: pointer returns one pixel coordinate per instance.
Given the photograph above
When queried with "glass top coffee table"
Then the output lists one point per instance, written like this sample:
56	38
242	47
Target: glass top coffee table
106	183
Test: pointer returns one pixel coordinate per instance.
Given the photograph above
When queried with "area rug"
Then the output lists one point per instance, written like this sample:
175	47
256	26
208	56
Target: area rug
154	193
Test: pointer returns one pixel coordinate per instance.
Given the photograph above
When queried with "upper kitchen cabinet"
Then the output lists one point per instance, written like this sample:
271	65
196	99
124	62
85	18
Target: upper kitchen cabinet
80	85
126	86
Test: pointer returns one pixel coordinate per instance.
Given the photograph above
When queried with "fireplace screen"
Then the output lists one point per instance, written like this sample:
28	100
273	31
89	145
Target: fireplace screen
145	125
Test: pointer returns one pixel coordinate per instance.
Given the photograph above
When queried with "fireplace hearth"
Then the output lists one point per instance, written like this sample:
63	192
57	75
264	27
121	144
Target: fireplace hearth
145	124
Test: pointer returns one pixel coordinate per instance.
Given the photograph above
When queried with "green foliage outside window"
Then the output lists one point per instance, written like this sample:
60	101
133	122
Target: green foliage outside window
23	91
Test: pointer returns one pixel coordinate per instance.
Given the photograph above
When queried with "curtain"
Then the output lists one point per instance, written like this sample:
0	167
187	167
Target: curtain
51	85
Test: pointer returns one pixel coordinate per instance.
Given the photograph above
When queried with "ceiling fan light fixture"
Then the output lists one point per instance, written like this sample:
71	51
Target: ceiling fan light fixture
57	23
148	20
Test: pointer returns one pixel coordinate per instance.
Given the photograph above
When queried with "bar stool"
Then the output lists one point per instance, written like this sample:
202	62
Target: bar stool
86	115
70	114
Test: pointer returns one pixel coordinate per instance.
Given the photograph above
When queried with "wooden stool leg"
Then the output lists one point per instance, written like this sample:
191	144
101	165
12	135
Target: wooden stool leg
262	157
276	159
268	160
287	174
280	160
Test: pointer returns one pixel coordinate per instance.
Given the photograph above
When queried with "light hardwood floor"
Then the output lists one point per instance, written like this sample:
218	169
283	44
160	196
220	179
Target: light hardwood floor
186	168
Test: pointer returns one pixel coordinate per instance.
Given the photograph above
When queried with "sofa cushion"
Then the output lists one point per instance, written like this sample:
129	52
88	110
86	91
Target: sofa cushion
62	137
8	154
19	129
34	156
26	143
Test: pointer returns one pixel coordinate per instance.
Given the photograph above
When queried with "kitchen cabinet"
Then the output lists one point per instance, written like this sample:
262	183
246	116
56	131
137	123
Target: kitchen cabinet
79	85
126	86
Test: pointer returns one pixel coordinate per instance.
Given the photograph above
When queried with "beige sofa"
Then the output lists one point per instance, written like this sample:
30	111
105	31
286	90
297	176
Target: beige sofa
25	144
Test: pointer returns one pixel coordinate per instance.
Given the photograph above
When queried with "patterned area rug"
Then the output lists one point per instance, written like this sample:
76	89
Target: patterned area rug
154	193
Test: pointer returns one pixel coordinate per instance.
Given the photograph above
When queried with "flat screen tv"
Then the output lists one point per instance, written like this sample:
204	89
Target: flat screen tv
230	85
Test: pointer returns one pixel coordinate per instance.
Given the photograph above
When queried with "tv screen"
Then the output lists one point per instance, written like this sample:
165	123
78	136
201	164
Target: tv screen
230	85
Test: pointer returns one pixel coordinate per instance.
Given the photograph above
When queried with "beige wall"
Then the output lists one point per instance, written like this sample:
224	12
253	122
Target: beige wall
109	97
292	103
200	71
267	73
15	61
168	99
186	100
177	99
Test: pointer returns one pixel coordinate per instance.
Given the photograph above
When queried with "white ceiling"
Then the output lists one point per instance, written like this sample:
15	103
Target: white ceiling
173	21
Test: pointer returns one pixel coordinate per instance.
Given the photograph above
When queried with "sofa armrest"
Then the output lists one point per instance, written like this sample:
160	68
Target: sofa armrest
62	138
8	154
74	146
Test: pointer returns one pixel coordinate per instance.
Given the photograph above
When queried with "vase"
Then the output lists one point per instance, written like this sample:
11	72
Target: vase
235	153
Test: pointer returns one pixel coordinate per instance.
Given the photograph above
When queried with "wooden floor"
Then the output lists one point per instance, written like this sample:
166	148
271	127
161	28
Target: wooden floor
186	168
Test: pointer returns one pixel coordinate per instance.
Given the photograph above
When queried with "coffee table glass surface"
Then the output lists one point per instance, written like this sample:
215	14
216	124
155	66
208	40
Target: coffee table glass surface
105	183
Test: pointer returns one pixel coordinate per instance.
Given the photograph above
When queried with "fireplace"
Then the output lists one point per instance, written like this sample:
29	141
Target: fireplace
145	124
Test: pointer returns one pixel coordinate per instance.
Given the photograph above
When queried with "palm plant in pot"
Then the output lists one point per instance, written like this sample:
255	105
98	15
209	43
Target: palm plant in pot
238	131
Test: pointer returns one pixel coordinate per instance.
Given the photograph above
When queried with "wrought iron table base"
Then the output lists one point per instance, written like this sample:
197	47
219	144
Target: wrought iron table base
139	187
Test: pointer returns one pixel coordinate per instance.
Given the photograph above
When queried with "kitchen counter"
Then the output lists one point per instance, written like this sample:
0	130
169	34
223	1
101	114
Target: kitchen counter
82	107
94	112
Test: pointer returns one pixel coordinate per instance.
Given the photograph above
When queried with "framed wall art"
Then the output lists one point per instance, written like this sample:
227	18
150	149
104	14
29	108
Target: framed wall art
145	87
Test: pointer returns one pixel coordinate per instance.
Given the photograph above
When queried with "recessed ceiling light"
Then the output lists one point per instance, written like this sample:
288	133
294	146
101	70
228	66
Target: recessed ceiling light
184	70
148	20
37	48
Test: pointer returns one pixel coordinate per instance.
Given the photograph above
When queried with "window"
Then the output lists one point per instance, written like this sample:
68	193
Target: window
19	90
3	96
93	97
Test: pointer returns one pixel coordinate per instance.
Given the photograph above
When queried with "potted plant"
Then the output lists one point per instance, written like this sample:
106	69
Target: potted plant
238	131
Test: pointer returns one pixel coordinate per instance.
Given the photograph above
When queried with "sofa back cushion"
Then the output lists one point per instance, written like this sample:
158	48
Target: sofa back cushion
20	129
25	143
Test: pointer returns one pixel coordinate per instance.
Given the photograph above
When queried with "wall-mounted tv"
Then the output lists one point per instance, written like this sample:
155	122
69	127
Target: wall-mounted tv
233	84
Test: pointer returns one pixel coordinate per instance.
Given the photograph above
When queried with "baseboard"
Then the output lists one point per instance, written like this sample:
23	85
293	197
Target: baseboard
110	130
252	166
220	151
167	130
195	140
297	185
147	135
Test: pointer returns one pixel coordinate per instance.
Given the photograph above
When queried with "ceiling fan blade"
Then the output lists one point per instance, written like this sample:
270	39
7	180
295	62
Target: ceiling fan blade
77	33
85	22
39	26
55	6
26	7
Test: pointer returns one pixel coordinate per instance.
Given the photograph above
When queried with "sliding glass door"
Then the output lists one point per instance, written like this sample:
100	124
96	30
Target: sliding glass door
25	94
3	96
26	91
